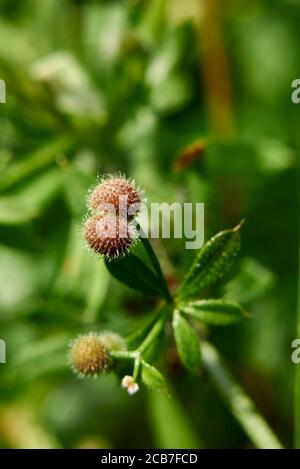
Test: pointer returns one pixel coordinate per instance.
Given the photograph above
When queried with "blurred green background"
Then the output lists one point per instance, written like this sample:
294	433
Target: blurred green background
192	98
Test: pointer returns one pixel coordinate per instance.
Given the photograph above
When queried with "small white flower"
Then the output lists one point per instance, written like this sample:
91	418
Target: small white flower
130	385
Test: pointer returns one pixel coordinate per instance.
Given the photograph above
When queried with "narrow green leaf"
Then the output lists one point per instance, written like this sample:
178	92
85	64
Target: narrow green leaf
213	261
214	312
151	377
132	272
37	160
28	204
187	342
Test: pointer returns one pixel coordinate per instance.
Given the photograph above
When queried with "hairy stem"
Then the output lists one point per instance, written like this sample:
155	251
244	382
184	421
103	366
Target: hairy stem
123	355
241	406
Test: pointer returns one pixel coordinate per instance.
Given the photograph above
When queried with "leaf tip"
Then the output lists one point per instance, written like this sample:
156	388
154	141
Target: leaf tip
239	225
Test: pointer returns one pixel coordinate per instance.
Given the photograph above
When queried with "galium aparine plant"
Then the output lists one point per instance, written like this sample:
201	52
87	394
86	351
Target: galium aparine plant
110	232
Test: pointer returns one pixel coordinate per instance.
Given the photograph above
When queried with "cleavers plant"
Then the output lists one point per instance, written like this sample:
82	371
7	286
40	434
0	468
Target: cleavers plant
136	266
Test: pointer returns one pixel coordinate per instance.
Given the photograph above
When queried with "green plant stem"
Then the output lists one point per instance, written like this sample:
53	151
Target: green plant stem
156	265
124	355
297	375
156	329
136	368
240	404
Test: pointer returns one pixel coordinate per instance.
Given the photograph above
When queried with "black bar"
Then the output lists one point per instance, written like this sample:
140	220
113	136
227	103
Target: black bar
142	457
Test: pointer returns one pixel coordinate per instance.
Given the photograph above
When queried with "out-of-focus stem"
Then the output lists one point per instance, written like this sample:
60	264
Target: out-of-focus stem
241	406
215	70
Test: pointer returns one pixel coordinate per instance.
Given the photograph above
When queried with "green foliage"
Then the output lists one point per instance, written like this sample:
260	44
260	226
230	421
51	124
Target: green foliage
214	312
151	377
155	349
141	331
131	271
30	164
251	281
29	202
213	262
98	87
187	343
